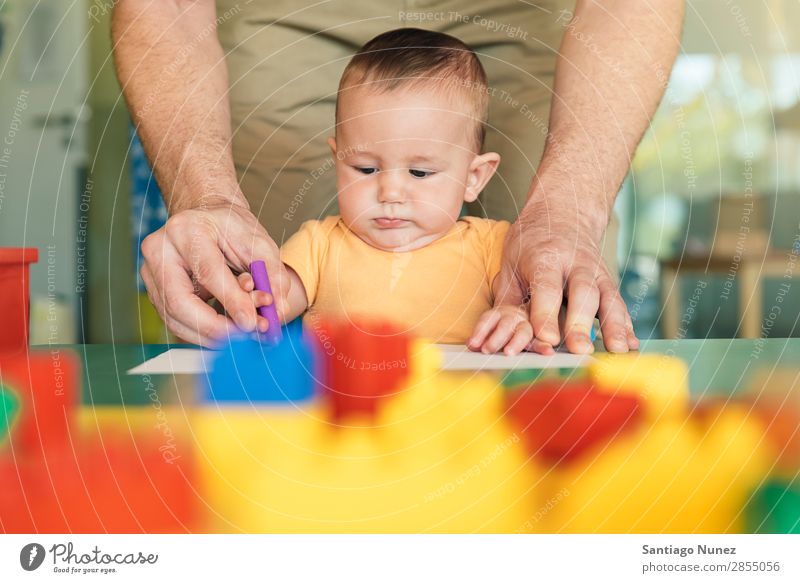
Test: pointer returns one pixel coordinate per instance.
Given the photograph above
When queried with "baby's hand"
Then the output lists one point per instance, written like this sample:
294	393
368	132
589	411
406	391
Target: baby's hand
260	298
502	327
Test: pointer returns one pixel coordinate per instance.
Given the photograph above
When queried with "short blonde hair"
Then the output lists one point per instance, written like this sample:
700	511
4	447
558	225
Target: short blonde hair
408	56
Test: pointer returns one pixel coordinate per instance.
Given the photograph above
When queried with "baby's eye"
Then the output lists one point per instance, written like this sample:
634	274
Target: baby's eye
366	170
419	173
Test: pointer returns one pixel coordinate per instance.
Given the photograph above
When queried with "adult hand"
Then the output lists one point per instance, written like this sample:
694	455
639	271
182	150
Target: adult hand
195	257
551	257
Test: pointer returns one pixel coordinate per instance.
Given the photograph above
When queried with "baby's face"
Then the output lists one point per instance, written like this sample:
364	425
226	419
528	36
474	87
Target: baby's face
405	164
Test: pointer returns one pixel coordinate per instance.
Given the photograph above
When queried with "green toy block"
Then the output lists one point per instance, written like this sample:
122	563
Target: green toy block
524	377
518	377
775	509
9	405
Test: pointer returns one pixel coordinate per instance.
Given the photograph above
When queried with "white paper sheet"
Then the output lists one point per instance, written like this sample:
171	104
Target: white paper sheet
461	358
197	361
176	361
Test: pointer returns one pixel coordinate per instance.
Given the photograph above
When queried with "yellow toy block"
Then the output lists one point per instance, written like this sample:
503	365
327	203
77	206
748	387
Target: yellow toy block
440	457
237	447
735	459
674	476
661	382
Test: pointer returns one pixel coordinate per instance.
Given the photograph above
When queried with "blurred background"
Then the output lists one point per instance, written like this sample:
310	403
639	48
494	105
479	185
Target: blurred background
710	212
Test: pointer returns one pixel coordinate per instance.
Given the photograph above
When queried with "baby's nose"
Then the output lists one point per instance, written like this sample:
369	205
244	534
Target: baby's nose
391	186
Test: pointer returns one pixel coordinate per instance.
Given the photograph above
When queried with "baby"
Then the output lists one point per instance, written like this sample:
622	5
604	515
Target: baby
410	121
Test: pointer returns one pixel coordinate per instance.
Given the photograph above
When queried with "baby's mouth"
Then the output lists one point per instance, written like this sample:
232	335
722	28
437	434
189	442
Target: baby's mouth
389	223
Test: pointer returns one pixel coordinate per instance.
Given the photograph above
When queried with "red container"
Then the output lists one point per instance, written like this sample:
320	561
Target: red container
15	297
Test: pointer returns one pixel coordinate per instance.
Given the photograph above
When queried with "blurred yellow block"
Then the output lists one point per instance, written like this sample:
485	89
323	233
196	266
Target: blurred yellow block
673	476
661	382
440	458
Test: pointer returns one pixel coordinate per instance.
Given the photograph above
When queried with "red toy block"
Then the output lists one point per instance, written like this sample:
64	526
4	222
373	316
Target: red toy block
135	488
114	486
560	420
14	298
361	363
47	385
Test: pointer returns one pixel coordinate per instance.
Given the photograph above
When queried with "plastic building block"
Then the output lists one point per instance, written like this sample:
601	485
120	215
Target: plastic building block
661	382
438	456
111	485
362	362
562	420
775	509
674	476
734	458
9	405
522	377
14	298
437	451
47	386
249	370
122	473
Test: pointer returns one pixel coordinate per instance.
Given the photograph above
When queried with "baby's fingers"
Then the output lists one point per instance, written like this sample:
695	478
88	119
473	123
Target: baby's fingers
483	328
261	298
246	281
502	334
523	335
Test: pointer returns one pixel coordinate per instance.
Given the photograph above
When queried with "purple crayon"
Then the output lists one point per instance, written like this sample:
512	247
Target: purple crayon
258	269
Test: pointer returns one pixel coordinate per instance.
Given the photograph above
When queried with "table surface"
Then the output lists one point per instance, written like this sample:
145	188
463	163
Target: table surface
716	367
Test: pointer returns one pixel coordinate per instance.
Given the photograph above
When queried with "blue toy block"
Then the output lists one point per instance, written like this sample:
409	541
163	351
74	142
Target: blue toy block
255	371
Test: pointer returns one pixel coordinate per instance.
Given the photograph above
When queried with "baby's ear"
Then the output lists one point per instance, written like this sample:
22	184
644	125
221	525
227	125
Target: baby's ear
481	169
332	144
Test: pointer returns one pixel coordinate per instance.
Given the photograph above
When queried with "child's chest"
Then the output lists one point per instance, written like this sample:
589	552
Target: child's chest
426	291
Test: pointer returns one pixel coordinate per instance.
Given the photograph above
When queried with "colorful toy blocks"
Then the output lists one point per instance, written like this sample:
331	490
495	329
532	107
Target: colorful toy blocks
58	476
659	381
562	419
674	475
319	434
434	456
46	384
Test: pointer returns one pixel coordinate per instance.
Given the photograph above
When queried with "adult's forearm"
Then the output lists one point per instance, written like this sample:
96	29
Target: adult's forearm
174	78
614	63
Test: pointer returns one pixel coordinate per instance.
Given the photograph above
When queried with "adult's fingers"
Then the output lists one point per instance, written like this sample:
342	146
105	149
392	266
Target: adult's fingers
185	313
540	347
547	293
582	303
211	270
615	322
509	291
179	329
